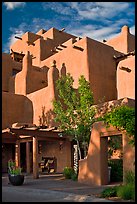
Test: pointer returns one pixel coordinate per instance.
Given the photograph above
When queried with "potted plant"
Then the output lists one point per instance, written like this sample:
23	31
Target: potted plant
16	178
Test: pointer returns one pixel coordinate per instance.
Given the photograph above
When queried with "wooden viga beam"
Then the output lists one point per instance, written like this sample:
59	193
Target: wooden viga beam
18	37
30	43
78	48
125	69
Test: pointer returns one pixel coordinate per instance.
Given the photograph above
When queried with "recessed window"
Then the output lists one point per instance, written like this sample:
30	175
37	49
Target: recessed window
18	57
14	72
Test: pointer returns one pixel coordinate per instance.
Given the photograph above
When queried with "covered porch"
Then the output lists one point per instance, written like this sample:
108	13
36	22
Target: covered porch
37	145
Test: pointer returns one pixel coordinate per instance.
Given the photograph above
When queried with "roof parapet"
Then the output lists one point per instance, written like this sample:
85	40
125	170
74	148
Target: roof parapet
125	29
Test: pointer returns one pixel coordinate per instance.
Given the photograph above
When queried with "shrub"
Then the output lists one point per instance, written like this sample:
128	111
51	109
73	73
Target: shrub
68	172
129	177
109	192
126	192
116	170
74	177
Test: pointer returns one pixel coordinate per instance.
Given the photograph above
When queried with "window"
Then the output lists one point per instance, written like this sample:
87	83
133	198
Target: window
14	72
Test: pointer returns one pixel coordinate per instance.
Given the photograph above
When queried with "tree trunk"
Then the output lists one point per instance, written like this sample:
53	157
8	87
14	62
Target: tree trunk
75	159
79	151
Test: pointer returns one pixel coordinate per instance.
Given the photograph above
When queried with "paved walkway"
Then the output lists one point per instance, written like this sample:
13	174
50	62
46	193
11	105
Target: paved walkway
50	188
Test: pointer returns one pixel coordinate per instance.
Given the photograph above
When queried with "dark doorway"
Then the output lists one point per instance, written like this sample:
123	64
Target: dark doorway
115	158
8	152
23	156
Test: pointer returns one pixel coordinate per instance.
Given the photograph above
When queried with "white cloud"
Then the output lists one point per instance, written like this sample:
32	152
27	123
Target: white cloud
100	32
35	25
105	19
132	30
13	5
94	32
12	40
99	10
61	8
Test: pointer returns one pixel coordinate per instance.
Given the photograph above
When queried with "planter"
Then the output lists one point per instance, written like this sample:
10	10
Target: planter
16	180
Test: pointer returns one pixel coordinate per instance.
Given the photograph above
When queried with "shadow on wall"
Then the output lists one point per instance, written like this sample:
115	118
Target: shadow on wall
18	108
57	74
28	110
46	118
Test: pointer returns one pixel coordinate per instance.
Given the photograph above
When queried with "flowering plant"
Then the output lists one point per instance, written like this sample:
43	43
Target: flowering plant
13	169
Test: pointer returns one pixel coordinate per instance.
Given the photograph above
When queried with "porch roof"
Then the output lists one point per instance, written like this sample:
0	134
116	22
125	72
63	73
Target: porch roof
28	132
8	136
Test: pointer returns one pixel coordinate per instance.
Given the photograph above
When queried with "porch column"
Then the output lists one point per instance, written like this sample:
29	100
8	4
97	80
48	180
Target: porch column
28	157
17	153
35	158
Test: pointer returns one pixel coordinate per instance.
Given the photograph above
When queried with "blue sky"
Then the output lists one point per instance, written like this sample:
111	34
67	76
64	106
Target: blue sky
97	20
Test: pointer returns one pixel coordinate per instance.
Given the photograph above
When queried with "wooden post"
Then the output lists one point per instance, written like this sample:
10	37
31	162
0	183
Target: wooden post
28	157
35	158
17	153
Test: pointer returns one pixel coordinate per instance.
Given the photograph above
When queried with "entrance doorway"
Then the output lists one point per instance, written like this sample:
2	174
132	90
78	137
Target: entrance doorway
23	156
115	158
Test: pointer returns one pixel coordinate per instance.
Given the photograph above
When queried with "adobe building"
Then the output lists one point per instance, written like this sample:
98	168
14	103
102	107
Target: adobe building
29	72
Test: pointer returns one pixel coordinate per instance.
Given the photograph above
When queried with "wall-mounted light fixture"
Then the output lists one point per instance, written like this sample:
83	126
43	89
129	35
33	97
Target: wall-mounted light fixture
60	135
39	148
61	145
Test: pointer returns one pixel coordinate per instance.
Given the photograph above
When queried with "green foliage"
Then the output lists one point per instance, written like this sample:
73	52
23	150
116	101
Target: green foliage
16	171
68	172
74	176
73	108
12	169
11	164
109	192
116	170
129	177
114	143
123	118
126	192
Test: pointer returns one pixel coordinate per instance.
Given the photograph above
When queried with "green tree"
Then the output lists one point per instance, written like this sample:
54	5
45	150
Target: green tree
123	118
73	109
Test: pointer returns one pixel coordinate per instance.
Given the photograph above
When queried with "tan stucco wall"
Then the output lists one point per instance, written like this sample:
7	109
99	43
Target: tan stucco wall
42	98
94	169
126	80
44	43
51	149
7	66
123	42
75	60
37	79
102	70
32	78
15	108
128	156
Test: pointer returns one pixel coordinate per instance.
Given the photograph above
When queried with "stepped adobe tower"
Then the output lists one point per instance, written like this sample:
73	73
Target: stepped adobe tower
29	73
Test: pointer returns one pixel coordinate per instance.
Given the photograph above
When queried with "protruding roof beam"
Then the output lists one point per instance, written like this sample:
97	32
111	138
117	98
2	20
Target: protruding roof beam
125	69
62	30
30	43
78	48
18	37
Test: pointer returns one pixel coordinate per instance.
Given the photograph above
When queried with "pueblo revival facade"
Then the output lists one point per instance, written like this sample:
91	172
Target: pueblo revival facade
29	72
